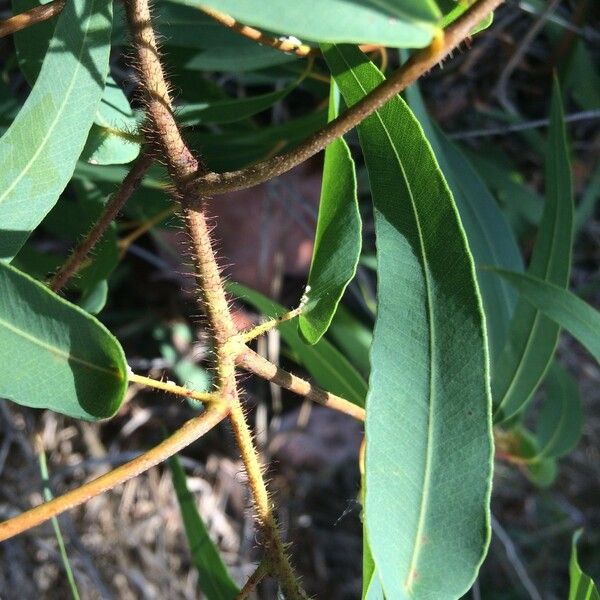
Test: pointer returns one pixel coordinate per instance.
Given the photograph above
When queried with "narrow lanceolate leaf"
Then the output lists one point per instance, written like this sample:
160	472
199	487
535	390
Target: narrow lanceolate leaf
533	337
428	427
579	318
337	240
561	418
406	24
323	361
490	237
54	355
582	586
39	151
215	581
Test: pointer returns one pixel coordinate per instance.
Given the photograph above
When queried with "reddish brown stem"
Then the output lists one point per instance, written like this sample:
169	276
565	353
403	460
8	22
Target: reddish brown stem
31	17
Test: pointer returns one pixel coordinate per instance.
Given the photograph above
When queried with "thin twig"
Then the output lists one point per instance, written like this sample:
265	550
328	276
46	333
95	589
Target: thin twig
265	327
255	363
173	388
259	573
111	210
31	17
188	433
212	184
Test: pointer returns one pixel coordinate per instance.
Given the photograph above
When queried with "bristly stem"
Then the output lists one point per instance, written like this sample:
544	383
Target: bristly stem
212	184
111	210
172	388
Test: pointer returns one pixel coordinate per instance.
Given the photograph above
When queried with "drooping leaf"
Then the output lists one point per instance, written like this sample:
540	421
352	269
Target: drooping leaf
408	24
352	337
338	238
490	238
561	419
323	361
54	355
563	307
215	581
428	429
533	337
582	586
39	151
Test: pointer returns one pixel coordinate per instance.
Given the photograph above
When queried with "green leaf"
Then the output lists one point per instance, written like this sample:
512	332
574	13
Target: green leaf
428	427
580	319
338	238
326	364
56	527
533	337
215	581
582	586
408	23
39	151
352	337
561	419
490	238
54	355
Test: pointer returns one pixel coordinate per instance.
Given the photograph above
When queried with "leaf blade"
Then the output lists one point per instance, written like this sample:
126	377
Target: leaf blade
582	586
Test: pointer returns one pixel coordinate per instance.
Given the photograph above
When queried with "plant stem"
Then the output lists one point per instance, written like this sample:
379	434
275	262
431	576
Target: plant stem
265	327
31	17
111	210
255	363
190	432
260	572
213	184
172	388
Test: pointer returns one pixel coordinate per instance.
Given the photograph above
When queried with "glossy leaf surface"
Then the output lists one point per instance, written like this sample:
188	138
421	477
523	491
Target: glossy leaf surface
54	355
39	151
428	430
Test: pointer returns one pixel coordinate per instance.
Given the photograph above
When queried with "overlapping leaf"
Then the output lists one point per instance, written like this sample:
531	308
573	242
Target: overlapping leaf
533	337
39	151
337	240
54	355
428	430
582	586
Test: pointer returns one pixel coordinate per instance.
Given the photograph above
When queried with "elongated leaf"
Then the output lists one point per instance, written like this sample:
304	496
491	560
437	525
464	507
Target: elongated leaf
532	337
39	151
561	418
407	23
582	586
54	355
490	238
580	319
215	581
56	527
428	429
353	337
338	238
326	364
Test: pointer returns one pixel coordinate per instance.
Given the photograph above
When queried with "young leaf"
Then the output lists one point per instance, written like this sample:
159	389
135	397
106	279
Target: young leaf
39	151
54	355
582	586
215	581
338	238
580	319
533	337
490	238
561	418
326	364
428	426
408	24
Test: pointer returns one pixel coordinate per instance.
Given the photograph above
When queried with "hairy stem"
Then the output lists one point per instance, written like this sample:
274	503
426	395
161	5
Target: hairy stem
218	183
31	17
183	437
171	388
111	210
255	363
261	571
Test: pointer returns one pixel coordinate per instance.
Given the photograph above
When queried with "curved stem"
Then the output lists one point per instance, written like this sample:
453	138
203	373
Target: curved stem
111	210
213	184
183	437
31	17
261	571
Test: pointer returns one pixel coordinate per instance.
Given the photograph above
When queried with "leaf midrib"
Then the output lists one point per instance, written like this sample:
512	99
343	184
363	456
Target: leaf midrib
59	113
428	457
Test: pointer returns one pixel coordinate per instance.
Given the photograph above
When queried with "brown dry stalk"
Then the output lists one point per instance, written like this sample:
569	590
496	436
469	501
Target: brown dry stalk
190	432
255	363
111	210
212	184
182	167
31	17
